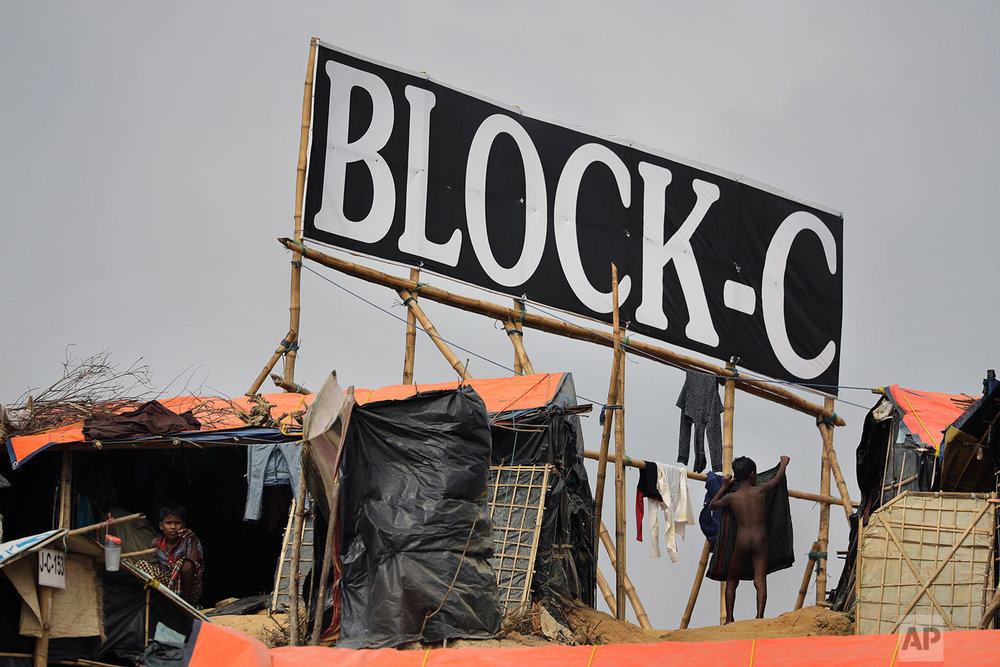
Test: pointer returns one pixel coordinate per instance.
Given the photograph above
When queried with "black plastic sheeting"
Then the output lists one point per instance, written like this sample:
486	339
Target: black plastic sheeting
124	623
547	435
417	538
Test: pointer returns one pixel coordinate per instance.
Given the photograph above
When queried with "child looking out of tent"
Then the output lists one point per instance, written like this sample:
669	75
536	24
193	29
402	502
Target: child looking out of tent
179	554
747	506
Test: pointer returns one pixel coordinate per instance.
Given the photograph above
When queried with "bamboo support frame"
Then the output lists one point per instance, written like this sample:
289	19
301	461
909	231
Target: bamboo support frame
435	337
989	611
410	351
104	524
696	587
294	305
602	458
293	573
806	578
701	477
761	388
41	656
289	338
620	504
630	591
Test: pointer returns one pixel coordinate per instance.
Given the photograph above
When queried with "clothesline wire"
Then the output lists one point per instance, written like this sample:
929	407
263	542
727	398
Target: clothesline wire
565	321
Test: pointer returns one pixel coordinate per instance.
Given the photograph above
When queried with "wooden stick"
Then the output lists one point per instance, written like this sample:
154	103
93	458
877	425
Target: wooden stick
763	389
804	588
289	387
824	518
838	477
435	337
104	524
66	490
517	326
331	529
602	458
619	453
136	554
701	477
294	305
410	351
630	592
293	574
696	587
609	595
282	348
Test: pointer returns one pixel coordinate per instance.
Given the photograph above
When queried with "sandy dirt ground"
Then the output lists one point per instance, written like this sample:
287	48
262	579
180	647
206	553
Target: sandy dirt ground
582	625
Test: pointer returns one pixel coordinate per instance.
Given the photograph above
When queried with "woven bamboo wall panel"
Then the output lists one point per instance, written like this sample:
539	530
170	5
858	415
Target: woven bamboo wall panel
925	559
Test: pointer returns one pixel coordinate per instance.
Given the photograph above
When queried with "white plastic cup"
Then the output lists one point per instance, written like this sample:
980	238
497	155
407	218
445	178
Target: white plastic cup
112	553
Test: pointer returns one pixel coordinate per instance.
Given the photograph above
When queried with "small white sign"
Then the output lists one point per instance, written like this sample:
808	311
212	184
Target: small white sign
51	568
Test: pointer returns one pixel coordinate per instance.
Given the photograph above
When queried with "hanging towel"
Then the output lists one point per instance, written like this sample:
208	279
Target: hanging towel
778	523
671	482
708	519
646	488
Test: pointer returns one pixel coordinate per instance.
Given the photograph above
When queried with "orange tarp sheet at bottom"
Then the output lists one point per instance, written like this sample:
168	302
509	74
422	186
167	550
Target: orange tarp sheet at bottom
222	649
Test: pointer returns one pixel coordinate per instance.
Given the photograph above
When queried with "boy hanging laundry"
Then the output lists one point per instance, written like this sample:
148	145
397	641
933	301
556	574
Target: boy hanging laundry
748	507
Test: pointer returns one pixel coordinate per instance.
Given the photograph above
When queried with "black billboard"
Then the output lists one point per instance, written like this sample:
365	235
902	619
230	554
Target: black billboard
406	169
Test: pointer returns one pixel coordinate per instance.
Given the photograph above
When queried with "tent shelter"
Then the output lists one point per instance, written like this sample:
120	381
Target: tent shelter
61	480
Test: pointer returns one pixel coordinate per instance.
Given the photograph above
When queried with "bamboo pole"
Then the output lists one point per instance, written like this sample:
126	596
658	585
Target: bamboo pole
66	490
283	347
602	458
294	305
700	477
410	351
609	595
630	591
728	403
696	586
331	529
517	325
835	469
619	419
990	610
824	517
290	387
435	337
763	389
806	578
293	573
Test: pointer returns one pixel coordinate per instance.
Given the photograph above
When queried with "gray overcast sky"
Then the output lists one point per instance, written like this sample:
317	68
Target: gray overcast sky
148	154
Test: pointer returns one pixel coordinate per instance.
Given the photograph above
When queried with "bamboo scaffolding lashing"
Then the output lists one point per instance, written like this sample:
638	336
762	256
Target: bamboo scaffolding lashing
630	591
285	346
620	542
760	388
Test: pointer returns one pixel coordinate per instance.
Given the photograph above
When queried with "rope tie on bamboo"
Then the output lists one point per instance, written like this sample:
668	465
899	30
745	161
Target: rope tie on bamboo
830	421
286	347
419	286
817	555
604	409
297	264
299	244
407	300
515	332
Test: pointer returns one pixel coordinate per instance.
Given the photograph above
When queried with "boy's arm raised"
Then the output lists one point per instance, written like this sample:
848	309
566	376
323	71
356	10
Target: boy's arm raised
721	500
780	475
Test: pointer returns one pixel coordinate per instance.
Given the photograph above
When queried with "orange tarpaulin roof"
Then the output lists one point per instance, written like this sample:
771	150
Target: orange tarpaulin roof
511	393
926	413
22	447
216	646
499	394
